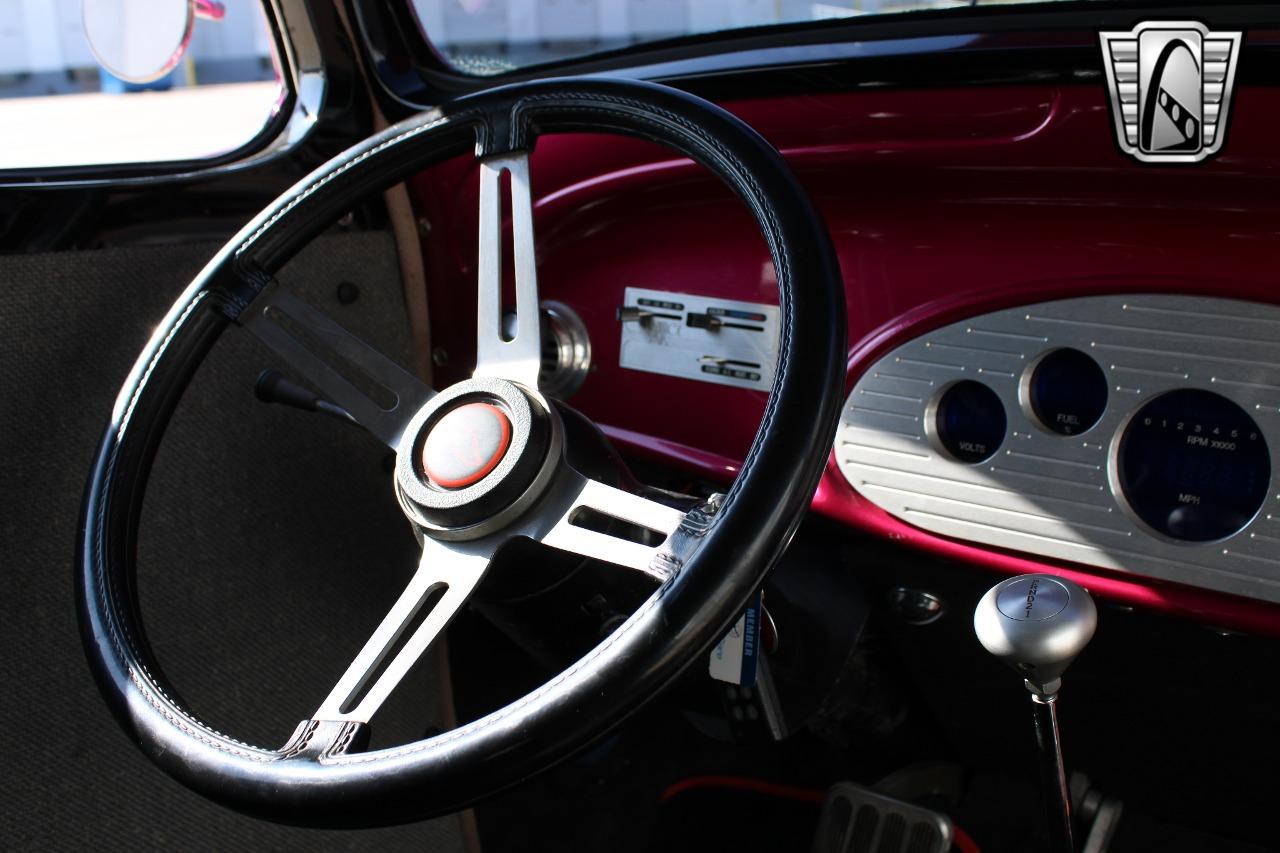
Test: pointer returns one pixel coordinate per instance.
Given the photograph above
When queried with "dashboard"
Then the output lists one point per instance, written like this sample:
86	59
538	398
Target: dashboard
1049	443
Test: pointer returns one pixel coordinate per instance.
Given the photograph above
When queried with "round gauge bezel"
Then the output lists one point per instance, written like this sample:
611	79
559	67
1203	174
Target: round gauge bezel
1026	401
1116	482
934	434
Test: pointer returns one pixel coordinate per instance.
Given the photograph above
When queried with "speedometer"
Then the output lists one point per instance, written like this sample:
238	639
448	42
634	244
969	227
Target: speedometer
1193	465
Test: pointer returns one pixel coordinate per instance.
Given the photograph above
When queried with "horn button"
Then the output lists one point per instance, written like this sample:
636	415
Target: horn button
475	455
466	445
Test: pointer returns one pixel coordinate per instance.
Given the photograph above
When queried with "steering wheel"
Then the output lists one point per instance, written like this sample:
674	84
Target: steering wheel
476	464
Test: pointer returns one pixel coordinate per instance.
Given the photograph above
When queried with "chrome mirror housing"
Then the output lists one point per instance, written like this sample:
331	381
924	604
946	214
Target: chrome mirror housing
140	41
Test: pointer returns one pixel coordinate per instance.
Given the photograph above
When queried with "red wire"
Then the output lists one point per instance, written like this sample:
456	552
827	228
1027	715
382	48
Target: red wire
743	783
963	842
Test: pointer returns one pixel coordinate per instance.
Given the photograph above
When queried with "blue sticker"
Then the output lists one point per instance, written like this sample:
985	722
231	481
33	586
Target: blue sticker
734	659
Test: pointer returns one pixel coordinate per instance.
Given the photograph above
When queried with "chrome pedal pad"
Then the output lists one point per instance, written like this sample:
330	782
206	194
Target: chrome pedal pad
859	820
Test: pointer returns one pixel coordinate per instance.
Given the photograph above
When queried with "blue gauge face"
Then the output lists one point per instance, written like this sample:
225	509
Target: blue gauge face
1068	392
970	421
1194	466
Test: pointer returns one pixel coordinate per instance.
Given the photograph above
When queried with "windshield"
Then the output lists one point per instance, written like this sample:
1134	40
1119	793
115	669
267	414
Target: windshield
486	37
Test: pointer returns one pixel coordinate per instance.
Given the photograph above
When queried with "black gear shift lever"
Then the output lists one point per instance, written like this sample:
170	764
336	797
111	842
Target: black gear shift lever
1038	624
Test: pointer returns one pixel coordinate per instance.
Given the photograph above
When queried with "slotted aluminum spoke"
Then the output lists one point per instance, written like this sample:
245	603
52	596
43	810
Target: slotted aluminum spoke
378	393
595	498
517	359
446	577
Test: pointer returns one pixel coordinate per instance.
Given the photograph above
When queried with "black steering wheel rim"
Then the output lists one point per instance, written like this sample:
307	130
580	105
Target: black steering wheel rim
730	558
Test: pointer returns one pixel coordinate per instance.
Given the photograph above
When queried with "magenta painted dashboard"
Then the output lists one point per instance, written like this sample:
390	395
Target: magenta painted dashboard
942	204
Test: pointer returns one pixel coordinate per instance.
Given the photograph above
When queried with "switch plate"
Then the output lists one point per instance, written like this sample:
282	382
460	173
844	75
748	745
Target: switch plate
728	342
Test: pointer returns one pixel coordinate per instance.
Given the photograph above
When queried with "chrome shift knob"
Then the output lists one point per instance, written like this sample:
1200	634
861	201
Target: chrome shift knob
1037	624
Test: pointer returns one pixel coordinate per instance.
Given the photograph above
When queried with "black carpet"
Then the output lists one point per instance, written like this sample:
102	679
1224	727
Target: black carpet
270	547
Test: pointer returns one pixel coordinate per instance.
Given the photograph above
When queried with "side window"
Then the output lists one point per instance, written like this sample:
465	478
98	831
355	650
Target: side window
60	106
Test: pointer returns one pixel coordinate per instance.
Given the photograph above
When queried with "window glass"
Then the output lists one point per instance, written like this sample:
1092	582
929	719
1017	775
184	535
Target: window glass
59	107
488	37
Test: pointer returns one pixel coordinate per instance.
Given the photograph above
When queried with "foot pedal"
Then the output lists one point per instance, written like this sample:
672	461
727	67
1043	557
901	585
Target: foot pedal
859	820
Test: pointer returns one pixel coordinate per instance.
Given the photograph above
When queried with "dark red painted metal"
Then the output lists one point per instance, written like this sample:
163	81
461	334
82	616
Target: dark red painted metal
941	203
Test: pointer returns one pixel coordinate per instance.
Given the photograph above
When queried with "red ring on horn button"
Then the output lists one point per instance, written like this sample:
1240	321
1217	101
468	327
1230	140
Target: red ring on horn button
465	445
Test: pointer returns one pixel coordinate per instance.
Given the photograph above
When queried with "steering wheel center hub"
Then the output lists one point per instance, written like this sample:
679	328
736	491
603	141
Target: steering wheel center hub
474	455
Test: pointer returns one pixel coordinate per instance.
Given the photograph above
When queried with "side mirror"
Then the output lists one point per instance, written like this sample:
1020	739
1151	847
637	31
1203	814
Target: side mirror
140	41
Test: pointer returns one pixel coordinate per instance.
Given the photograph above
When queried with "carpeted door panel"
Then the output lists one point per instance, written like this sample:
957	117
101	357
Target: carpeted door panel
270	547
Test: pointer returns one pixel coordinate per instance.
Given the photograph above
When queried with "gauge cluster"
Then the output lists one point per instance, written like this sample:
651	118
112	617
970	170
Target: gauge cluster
1126	432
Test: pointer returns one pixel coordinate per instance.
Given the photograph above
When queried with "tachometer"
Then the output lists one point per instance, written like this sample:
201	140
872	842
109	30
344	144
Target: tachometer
1193	465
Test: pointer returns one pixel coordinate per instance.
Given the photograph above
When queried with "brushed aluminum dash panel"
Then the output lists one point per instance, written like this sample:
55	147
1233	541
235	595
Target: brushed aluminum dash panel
1058	496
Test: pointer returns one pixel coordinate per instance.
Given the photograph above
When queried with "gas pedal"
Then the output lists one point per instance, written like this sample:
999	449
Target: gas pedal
859	820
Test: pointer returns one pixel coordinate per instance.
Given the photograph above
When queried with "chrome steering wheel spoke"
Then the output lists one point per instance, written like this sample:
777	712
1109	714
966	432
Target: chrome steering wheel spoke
377	393
577	527
517	359
446	577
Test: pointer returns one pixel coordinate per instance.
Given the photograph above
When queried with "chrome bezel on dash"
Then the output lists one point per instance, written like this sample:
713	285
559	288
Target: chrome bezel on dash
935	439
1029	409
1116	482
573	351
